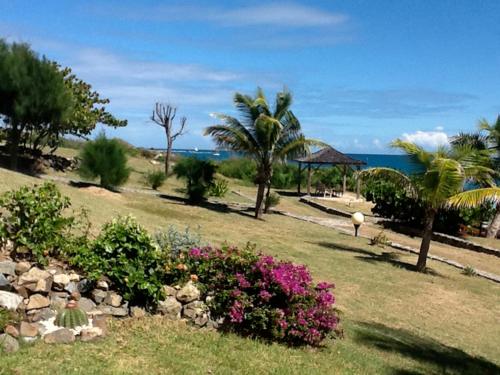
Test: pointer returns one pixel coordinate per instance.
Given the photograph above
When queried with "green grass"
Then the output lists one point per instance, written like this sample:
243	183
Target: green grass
395	320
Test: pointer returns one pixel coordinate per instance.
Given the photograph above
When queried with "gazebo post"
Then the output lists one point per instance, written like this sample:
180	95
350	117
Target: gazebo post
358	182
300	178
344	185
308	178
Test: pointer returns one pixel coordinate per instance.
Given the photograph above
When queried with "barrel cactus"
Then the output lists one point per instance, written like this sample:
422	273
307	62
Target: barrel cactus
71	316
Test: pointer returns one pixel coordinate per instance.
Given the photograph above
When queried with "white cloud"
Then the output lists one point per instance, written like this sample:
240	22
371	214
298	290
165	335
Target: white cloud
376	142
427	139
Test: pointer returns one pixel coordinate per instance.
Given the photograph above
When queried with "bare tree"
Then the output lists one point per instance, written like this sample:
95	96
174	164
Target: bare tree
164	115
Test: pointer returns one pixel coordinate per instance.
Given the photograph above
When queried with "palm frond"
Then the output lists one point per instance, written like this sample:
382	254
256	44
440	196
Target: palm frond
418	155
442	180
238	126
474	198
230	137
283	103
294	147
389	174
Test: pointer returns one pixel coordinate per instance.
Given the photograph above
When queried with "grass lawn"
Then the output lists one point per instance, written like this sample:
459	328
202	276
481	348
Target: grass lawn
395	320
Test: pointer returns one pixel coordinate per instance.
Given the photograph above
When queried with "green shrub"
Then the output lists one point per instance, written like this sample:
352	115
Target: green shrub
172	242
379	240
219	188
285	176
7	317
105	159
273	199
199	175
155	179
126	254
240	168
32	218
469	271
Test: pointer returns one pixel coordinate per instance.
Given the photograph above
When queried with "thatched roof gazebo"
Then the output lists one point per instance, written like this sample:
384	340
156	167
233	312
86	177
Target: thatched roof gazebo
328	155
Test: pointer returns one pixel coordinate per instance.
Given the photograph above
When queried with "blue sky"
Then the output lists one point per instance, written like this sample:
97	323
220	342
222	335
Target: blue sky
362	72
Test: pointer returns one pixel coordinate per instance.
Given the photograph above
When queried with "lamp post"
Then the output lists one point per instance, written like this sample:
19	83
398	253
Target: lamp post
357	219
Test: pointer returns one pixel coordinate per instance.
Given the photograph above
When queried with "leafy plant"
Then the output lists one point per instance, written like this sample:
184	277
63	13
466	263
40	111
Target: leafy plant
173	242
240	168
379	240
155	179
7	317
199	175
273	199
32	218
469	271
105	159
259	296
219	188
127	255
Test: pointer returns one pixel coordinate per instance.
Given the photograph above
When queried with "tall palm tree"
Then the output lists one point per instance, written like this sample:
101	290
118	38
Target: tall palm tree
443	175
268	135
481	141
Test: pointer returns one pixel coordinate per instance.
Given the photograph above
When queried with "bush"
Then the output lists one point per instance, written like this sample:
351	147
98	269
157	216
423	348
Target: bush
32	218
7	317
259	296
240	168
173	242
199	175
273	199
126	254
105	159
155	179
219	188
379	240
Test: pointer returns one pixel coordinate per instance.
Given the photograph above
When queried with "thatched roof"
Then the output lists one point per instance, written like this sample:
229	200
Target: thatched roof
329	155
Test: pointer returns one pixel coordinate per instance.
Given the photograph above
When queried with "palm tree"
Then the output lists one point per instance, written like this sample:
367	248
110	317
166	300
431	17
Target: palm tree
268	135
443	175
481	141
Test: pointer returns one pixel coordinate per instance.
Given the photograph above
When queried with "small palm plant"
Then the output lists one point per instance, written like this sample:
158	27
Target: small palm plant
442	176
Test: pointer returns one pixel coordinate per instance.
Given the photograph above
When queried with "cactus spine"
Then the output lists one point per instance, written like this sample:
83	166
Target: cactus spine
71	316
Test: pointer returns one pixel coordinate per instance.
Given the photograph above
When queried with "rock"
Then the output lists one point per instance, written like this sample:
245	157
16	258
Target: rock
58	303
41	286
37	301
115	311
137	312
60	281
169	291
188	293
11	330
28	329
201	320
171	308
21	290
194	309
33	276
89	334
85	286
42	314
8	267
71	287
4	283
99	295
74	277
101	322
10	301
22	267
8	343
103	285
86	304
113	299
61	336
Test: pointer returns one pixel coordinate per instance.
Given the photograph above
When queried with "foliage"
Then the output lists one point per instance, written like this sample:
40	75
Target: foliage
273	199
7	317
199	175
155	179
105	159
241	168
173	242
267	135
32	218
127	255
469	271
260	296
219	188
379	240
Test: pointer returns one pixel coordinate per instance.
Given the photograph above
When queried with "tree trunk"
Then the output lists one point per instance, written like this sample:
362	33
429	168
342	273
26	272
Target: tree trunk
260	197
426	240
266	202
495	224
168	155
13	146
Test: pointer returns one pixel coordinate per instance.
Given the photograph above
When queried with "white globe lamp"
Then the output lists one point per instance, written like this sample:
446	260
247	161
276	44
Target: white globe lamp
357	219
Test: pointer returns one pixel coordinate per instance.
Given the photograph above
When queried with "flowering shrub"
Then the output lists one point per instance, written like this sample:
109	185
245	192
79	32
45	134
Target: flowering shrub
260	296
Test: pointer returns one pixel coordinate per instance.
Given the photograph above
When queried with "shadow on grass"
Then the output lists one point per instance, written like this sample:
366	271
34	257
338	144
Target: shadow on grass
435	357
373	257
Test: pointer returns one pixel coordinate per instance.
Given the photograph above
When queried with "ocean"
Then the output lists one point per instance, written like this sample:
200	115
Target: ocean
399	162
